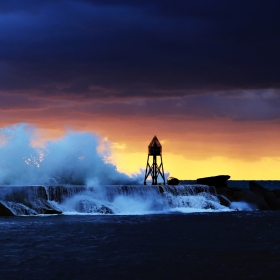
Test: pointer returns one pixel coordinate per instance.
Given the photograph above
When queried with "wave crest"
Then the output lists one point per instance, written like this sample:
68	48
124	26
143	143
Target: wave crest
73	159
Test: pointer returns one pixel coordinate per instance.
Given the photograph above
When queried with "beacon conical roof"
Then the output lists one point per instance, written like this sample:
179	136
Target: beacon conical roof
155	142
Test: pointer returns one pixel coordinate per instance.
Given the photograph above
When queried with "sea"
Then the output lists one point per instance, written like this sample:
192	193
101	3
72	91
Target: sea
135	232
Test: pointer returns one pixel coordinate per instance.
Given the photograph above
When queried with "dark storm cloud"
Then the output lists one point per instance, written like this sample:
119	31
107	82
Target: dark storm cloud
250	107
15	102
138	48
259	106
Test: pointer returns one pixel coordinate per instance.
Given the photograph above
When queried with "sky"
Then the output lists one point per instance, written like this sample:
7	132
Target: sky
201	75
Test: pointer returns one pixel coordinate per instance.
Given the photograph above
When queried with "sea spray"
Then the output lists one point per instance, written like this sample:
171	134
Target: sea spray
72	159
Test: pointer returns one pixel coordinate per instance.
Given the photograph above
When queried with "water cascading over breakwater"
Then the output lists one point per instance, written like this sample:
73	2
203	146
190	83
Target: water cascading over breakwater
109	199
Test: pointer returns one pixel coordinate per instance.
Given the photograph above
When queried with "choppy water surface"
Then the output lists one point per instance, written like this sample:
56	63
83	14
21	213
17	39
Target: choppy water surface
227	245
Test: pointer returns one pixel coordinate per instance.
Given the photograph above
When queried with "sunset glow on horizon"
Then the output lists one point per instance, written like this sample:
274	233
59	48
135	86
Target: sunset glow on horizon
186	160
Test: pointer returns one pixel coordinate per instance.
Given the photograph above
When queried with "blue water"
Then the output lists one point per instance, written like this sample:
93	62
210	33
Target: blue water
230	245
141	240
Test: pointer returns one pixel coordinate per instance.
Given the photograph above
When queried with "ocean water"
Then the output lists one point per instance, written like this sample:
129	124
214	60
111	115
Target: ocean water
183	233
224	245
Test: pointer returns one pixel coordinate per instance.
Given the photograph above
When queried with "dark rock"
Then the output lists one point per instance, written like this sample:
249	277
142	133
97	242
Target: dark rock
219	181
224	201
251	198
173	181
4	211
272	201
269	196
277	193
255	187
226	192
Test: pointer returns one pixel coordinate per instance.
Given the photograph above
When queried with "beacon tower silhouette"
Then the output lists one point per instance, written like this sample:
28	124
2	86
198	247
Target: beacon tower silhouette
155	170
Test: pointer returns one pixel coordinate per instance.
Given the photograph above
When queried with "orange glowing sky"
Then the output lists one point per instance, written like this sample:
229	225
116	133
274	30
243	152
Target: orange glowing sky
192	148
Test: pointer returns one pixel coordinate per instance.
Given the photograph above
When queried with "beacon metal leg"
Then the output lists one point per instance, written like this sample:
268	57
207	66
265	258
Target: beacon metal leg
148	170
154	170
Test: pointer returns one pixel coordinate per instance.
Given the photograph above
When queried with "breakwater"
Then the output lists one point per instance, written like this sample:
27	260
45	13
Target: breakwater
133	199
107	199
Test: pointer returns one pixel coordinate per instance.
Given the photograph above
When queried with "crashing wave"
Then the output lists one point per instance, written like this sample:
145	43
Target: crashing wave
108	199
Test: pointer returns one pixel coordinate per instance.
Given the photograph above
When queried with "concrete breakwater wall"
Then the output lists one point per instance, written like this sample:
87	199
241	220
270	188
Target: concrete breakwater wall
36	200
118	199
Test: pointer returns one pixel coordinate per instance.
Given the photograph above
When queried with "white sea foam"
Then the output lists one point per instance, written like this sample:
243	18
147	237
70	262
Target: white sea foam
140	200
73	159
108	199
